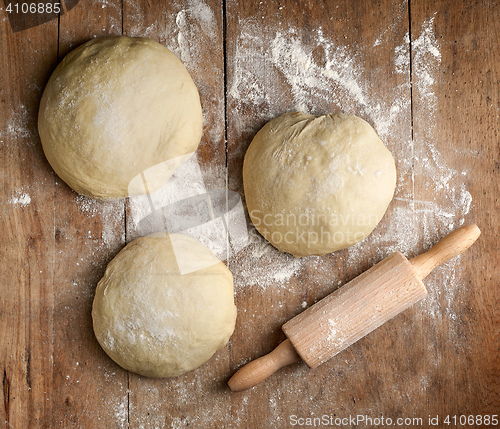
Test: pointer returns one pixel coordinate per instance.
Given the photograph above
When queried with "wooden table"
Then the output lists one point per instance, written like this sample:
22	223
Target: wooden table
424	73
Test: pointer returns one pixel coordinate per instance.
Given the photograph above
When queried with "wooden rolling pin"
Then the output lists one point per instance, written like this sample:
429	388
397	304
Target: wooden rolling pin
351	312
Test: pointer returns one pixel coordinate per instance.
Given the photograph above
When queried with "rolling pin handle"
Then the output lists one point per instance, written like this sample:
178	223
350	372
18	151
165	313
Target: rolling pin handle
445	249
258	370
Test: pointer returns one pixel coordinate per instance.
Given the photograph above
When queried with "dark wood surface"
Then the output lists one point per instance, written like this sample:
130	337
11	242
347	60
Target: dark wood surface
424	74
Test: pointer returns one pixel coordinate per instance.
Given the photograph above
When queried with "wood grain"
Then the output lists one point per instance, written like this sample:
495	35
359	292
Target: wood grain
438	114
193	31
465	134
363	40
27	239
88	391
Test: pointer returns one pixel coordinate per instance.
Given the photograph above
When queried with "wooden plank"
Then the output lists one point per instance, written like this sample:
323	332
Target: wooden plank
27	240
455	78
193	31
319	57
438	358
89	20
88	389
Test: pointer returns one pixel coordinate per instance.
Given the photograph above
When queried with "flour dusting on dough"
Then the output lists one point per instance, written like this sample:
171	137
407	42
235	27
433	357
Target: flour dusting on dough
190	30
339	79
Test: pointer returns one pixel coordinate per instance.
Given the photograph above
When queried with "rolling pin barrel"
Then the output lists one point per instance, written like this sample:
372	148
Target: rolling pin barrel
354	310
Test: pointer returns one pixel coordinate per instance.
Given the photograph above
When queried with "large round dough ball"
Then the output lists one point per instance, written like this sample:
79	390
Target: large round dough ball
314	185
164	306
114	108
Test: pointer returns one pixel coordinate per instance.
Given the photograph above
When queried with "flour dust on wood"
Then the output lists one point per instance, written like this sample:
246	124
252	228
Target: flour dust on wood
338	78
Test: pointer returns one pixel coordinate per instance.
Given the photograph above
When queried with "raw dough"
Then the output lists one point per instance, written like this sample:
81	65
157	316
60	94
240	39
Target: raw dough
316	185
114	108
153	320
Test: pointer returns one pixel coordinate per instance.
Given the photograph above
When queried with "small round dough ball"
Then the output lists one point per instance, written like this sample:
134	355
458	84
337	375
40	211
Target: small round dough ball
114	108
314	185
153	320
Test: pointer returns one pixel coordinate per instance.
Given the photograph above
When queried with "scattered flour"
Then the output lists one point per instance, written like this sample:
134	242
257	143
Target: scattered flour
108	213
197	18
262	265
121	412
336	338
112	11
338	78
402	57
21	198
191	31
20	125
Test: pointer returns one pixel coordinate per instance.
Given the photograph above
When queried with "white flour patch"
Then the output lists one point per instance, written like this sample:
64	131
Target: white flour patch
121	412
426	59
336	338
402	56
20	125
190	32
335	79
196	26
262	265
21	199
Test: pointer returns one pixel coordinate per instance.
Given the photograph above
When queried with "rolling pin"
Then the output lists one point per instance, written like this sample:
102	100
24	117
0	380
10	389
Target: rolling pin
354	310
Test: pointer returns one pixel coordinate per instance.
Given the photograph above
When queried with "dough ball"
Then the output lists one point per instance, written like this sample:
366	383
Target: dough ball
114	108
314	185
153	320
